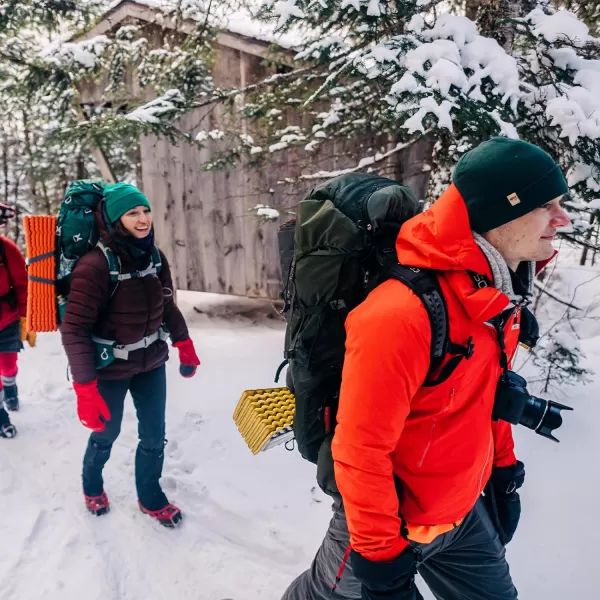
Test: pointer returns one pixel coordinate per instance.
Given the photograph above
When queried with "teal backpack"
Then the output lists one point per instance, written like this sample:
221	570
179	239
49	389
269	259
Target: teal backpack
76	234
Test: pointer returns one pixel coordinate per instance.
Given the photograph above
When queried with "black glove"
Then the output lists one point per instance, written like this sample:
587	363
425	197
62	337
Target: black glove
392	580
502	499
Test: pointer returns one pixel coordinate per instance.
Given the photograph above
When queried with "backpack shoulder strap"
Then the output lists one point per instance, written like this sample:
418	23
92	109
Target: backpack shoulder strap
425	285
114	268
156	260
114	264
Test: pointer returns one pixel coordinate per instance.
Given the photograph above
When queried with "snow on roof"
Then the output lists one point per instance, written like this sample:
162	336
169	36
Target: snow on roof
84	53
240	22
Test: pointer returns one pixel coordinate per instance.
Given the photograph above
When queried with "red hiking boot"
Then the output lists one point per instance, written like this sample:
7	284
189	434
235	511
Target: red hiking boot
169	516
97	505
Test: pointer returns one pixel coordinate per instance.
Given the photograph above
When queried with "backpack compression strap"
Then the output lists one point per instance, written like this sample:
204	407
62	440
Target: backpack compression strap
425	285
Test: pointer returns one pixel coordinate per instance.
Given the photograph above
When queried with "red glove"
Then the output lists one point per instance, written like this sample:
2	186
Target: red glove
91	407
187	357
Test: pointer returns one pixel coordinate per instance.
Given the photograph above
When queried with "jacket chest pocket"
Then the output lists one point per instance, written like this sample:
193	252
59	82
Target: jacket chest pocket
436	425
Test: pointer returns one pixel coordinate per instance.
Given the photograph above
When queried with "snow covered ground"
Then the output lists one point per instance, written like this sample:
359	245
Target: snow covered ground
251	523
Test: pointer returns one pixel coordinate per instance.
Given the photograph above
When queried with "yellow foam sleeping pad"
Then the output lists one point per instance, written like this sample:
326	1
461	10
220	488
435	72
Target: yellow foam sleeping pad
264	417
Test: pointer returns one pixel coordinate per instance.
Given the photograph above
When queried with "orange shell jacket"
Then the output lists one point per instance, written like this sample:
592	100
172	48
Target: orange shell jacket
440	442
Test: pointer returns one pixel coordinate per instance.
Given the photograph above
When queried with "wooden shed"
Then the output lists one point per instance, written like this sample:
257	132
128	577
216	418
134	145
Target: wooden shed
203	220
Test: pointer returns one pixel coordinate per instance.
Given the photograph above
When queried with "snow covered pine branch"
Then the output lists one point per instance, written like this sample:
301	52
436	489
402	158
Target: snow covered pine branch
403	69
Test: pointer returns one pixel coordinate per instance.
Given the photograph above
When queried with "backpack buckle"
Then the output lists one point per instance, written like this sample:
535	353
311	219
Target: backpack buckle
150	270
470	348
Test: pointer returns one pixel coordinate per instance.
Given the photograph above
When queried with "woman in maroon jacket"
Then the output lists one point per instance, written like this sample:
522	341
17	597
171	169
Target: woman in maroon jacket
13	308
131	313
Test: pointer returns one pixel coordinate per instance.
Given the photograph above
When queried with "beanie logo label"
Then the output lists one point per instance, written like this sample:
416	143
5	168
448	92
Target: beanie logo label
514	199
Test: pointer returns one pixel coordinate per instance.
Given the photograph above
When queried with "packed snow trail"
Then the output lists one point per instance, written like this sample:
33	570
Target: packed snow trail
251	523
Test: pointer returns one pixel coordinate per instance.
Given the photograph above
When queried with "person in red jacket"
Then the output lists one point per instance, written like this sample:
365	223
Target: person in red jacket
411	461
13	329
115	339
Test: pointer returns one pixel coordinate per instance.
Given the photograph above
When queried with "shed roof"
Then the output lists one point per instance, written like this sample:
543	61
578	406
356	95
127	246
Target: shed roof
237	29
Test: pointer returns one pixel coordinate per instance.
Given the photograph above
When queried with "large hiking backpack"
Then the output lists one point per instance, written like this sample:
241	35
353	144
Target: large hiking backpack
343	246
76	234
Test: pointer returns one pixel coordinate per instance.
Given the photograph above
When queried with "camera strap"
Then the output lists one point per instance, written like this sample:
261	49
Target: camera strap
499	324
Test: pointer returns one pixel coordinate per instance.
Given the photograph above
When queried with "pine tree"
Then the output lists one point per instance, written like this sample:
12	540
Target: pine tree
52	137
588	12
403	71
559	360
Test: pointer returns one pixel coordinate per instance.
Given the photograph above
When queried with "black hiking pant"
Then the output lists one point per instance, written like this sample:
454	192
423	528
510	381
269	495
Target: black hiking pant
149	392
467	563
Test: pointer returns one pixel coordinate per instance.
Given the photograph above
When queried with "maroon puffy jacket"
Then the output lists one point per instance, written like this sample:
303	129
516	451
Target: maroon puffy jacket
12	271
137	309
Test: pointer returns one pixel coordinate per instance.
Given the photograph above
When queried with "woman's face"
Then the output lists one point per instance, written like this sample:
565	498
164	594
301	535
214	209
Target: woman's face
138	221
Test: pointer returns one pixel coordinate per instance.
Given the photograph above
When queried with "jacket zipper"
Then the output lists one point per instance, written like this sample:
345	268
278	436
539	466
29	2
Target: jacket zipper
433	428
487	460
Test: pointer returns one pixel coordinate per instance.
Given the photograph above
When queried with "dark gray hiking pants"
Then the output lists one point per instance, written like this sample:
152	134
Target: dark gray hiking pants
467	563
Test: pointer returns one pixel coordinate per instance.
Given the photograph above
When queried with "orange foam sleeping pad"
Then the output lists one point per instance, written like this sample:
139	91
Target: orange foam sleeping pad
40	240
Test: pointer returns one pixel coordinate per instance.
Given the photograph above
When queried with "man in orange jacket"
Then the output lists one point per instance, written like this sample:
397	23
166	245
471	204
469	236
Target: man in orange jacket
411	462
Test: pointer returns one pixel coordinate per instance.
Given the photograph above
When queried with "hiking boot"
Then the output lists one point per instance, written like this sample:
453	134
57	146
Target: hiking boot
11	397
97	505
7	429
169	516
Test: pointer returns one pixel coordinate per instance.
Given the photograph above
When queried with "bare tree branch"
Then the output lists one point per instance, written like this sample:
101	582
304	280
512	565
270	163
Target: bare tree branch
540	286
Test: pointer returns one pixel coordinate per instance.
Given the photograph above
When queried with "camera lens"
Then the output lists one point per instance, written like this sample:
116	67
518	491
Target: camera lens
543	416
534	413
517	406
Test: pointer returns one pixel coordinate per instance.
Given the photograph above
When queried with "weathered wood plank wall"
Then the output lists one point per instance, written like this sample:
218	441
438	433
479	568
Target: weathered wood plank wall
203	220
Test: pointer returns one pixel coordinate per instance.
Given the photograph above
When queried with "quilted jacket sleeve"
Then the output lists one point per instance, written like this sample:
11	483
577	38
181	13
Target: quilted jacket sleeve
172	315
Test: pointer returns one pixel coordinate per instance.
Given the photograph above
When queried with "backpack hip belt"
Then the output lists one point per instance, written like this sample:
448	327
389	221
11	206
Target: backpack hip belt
121	351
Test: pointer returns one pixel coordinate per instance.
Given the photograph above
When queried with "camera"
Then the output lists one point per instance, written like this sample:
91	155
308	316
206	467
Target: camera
513	403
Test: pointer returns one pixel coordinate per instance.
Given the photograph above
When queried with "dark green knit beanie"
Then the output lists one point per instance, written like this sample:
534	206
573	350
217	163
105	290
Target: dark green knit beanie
120	198
503	179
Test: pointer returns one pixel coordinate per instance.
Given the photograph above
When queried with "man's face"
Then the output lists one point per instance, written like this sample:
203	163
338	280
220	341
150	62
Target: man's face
529	238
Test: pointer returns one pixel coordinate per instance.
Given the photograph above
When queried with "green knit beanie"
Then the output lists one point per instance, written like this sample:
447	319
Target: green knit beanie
120	198
503	179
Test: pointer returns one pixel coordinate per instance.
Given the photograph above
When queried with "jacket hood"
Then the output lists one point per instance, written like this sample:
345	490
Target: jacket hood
440	239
